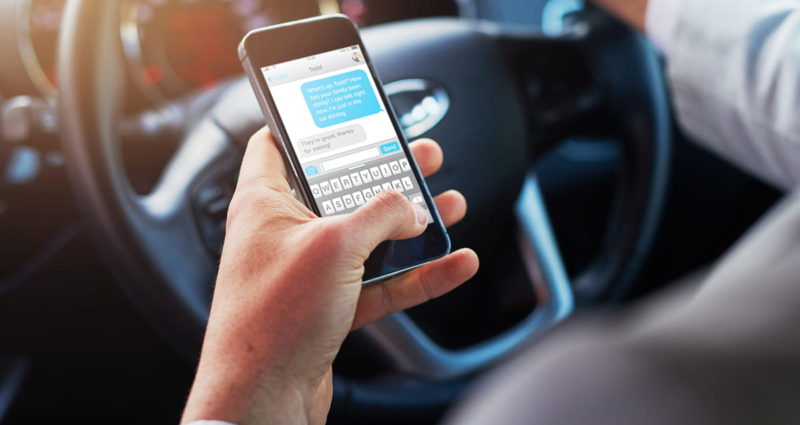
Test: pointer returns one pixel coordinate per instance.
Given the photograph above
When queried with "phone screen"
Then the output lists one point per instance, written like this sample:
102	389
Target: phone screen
340	130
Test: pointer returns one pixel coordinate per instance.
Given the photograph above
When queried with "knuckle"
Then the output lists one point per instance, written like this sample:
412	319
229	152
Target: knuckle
257	203
393	202
331	233
238	206
426	285
387	299
259	136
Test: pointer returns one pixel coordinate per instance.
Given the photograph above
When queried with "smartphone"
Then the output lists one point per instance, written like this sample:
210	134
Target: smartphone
338	134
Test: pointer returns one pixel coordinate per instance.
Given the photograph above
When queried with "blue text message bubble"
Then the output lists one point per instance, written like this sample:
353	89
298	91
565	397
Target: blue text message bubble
340	98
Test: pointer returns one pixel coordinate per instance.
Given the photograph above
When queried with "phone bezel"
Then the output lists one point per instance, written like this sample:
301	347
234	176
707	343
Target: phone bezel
267	46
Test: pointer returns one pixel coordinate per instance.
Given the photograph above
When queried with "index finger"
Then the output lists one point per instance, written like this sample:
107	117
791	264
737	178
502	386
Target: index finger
428	154
263	160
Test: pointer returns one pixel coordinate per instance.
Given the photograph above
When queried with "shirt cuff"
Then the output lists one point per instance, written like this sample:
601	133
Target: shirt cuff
660	22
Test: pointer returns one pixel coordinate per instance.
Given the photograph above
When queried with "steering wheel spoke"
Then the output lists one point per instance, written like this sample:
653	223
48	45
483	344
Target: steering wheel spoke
204	155
414	352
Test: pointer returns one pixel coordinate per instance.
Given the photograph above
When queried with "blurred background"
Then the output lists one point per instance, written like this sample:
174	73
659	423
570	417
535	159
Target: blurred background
73	349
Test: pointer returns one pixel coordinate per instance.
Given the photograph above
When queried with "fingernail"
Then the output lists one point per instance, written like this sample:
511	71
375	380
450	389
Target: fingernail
422	215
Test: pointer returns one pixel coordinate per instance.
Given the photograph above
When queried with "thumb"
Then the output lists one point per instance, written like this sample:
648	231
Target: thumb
262	160
388	216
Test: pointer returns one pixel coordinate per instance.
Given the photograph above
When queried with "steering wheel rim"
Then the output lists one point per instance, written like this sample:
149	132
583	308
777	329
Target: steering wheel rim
134	229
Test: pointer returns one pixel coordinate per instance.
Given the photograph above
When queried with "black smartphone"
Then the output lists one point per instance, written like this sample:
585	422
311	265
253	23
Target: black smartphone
338	134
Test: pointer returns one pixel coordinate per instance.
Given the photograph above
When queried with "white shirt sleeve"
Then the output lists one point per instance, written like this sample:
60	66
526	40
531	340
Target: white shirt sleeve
660	22
734	73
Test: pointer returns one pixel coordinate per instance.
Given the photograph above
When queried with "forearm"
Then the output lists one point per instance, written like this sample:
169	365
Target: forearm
734	67
733	70
631	11
241	379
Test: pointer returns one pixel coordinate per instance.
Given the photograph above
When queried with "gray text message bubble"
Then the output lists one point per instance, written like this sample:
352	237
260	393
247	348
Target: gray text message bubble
329	140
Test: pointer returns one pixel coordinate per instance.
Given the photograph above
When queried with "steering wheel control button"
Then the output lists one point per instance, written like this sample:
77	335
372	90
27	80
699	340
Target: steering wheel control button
30	121
211	205
208	193
218	210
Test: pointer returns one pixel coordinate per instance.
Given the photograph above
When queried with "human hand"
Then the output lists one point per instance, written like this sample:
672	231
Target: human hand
289	291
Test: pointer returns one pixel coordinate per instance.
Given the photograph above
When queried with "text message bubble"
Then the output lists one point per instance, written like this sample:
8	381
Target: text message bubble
340	98
335	139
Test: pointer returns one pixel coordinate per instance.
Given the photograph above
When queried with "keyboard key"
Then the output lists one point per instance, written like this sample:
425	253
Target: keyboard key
358	197
327	207
346	183
396	185
375	172
326	188
367	194
338	204
348	201
365	176
395	167
315	190
387	185
385	170
356	178
418	199
404	164
376	190
336	185
407	183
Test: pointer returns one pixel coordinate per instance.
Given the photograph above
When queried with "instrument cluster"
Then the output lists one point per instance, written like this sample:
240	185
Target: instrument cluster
172	47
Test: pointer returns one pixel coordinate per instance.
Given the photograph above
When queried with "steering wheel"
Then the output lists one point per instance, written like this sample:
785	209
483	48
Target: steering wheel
511	95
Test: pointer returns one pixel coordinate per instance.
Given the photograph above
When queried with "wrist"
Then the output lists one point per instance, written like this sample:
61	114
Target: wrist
245	383
248	395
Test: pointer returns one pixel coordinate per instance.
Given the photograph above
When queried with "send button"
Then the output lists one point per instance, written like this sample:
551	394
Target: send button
390	147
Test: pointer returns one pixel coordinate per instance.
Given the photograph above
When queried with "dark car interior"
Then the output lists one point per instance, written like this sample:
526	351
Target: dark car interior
122	124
